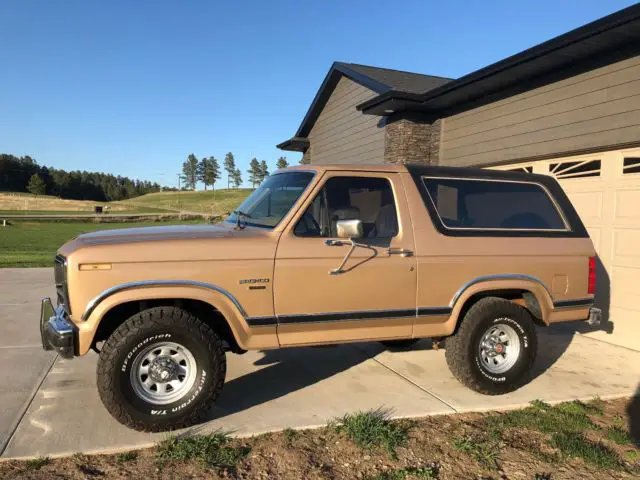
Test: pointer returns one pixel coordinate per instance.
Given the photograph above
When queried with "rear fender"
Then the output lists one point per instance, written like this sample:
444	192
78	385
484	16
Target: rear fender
486	285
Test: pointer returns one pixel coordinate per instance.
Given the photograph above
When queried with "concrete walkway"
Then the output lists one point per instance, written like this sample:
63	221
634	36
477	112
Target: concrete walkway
50	406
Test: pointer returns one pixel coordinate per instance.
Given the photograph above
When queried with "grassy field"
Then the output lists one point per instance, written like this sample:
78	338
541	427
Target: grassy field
25	204
211	202
34	244
28	243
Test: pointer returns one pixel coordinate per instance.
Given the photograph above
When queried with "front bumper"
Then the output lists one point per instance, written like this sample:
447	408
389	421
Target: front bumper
56	330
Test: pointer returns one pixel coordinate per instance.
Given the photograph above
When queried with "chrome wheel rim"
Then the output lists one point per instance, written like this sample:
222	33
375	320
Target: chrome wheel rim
163	373
499	348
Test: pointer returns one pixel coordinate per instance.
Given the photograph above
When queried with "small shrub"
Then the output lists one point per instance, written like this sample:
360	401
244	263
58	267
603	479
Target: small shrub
598	404
578	408
618	421
126	457
619	435
540	416
373	429
420	473
484	451
289	435
37	463
211	450
574	444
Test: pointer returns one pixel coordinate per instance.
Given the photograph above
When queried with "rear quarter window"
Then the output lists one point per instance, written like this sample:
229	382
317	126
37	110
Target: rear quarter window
478	204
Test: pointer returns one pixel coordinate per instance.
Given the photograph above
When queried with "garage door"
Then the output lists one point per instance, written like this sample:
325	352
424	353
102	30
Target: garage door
605	190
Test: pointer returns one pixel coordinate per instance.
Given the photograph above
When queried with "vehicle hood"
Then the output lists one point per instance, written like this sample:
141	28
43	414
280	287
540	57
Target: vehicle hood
190	243
153	234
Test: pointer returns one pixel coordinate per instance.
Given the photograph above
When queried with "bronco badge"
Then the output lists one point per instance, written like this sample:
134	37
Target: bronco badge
253	281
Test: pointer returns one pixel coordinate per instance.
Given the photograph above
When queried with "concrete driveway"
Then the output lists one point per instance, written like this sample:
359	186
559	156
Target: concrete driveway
50	406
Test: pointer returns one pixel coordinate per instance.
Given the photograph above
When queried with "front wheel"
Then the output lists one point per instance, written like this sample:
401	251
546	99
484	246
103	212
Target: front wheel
161	370
494	348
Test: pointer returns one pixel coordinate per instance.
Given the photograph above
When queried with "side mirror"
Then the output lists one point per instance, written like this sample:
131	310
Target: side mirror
349	228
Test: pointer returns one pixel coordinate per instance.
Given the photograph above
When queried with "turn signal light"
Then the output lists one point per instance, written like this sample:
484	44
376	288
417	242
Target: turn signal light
592	276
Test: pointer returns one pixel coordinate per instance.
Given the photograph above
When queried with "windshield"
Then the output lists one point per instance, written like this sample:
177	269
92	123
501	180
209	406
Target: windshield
271	201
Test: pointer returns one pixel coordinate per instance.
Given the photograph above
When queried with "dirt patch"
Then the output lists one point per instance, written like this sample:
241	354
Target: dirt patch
568	441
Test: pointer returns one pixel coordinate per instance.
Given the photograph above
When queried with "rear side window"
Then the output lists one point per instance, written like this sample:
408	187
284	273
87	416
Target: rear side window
463	203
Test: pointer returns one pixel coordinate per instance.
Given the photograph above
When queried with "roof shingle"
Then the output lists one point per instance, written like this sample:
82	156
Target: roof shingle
398	80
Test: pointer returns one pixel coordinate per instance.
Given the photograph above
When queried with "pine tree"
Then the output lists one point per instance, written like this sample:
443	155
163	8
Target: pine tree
212	172
190	171
264	170
237	178
282	162
254	172
202	165
36	185
230	167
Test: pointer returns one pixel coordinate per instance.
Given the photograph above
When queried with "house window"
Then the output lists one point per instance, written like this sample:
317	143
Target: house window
565	170
474	204
631	165
528	169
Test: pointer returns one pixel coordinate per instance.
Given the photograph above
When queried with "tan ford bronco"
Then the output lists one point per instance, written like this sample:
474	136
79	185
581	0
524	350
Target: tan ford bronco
320	255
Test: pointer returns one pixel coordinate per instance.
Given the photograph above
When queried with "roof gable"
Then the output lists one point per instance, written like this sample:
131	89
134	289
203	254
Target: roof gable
379	80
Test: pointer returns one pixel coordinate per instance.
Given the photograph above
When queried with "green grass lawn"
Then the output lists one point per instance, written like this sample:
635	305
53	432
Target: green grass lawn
216	202
34	244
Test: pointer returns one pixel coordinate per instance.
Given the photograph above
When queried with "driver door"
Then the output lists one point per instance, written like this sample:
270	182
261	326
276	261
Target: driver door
374	296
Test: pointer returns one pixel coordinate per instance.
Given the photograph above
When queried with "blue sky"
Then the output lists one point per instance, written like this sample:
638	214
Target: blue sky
133	87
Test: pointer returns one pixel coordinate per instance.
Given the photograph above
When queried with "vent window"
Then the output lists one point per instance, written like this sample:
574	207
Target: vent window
566	170
631	165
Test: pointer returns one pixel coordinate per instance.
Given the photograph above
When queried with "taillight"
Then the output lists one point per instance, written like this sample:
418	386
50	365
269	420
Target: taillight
592	276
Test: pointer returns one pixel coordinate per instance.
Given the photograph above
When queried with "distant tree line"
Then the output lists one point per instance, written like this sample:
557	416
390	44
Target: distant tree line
23	174
207	170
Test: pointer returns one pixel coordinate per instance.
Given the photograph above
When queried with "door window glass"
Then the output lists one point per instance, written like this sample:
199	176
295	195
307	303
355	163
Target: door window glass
351	198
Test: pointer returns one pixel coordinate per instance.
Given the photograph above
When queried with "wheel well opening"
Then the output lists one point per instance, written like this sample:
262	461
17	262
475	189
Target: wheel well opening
524	298
204	311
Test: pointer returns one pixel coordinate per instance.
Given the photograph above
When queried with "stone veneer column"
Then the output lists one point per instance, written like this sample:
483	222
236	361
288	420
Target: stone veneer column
306	156
411	138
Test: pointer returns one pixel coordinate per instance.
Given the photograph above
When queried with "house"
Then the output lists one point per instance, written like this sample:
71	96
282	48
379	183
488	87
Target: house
569	107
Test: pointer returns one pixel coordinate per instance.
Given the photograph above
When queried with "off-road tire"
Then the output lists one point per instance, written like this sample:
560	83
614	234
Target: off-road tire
398	344
462	349
117	359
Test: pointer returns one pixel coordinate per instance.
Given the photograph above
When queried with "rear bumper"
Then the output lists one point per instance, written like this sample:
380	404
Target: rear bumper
595	317
57	332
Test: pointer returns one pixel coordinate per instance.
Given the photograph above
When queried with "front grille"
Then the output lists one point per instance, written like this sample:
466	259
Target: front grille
60	277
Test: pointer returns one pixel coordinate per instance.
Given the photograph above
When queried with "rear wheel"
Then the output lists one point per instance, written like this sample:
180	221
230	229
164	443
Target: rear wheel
160	370
494	348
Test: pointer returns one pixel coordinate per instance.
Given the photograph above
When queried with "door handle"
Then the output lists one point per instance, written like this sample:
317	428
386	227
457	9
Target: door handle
336	243
403	252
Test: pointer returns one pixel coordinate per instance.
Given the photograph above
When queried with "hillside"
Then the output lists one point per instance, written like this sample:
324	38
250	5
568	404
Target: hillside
23	203
218	202
210	202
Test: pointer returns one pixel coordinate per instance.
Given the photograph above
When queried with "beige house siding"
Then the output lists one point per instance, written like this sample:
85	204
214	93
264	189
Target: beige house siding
597	109
341	134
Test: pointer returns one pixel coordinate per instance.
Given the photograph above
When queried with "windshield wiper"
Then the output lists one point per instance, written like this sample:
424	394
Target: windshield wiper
239	214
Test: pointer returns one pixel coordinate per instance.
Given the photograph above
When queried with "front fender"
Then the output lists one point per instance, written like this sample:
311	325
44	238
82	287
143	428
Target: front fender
224	302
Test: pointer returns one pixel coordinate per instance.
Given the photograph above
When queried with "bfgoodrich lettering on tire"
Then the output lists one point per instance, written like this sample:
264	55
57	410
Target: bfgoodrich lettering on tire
161	370
494	348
